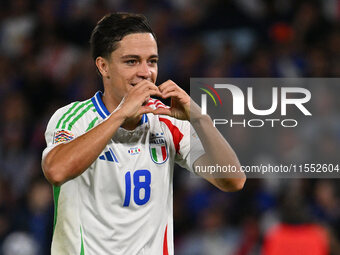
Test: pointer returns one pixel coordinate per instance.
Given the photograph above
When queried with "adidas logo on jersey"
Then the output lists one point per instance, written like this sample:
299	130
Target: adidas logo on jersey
109	156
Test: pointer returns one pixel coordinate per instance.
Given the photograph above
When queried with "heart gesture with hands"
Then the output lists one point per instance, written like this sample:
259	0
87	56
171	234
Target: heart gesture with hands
180	101
134	103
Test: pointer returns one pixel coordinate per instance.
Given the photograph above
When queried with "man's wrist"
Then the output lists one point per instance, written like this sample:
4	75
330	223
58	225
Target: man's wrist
196	115
118	115
199	119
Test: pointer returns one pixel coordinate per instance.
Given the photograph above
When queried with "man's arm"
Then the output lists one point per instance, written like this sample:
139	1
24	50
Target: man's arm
217	149
68	160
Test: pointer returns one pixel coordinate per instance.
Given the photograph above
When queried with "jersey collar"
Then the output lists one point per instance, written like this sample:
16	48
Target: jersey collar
103	111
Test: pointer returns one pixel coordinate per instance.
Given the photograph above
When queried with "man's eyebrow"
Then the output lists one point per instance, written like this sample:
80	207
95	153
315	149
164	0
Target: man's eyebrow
137	56
154	56
130	56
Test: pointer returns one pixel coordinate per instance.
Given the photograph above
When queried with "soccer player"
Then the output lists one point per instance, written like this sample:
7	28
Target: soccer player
111	158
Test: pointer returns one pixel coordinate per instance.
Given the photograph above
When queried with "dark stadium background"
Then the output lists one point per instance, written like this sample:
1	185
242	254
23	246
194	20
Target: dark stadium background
45	63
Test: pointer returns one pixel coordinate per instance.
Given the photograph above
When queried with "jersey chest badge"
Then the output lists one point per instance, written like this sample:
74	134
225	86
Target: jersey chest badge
158	148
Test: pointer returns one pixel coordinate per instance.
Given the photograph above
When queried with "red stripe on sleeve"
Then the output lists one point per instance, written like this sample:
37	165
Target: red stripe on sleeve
165	242
176	134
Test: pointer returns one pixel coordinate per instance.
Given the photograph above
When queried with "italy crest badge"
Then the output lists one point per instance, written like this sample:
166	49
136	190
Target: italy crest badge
158	148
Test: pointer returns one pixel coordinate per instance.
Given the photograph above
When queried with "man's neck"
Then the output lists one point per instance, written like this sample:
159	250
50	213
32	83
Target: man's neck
131	124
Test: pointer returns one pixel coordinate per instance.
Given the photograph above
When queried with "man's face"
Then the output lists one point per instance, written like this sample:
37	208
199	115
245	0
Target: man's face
134	60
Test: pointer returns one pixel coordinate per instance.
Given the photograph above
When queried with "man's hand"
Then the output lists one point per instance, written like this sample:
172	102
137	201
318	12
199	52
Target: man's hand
133	104
217	149
180	101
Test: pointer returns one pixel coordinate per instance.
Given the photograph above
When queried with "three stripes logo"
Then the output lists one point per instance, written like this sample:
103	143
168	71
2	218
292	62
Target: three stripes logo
158	148
109	156
74	113
211	92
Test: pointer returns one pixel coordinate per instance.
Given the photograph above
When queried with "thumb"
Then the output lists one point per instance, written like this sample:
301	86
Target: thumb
162	111
145	109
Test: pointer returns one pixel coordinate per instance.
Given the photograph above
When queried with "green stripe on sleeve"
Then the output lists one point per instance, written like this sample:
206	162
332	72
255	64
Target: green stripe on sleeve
92	123
75	112
66	113
79	116
82	252
56	193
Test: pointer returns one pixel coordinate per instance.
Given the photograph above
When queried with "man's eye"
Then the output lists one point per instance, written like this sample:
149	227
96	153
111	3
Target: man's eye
153	61
131	62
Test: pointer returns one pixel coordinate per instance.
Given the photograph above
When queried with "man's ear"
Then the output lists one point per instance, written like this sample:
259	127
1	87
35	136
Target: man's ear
103	67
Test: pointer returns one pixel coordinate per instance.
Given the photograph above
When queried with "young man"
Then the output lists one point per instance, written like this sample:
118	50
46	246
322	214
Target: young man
110	158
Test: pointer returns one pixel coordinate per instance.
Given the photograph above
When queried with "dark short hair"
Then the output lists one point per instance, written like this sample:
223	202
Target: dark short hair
112	28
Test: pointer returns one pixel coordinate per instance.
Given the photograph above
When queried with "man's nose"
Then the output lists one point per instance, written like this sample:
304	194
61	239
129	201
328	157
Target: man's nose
144	70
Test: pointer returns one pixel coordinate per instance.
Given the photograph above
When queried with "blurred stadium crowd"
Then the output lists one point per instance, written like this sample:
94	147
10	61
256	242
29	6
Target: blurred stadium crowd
45	63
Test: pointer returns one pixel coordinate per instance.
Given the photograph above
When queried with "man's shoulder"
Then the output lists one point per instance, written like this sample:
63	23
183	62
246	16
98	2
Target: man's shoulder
170	125
67	116
73	105
64	108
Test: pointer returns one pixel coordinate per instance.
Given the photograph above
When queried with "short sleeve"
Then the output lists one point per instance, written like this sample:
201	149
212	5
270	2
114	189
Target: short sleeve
190	146
60	128
187	144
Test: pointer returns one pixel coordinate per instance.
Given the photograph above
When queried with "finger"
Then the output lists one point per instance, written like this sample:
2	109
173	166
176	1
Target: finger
142	83
162	111
150	89
154	93
165	85
142	86
145	94
171	94
145	109
169	88
146	101
145	97
145	84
